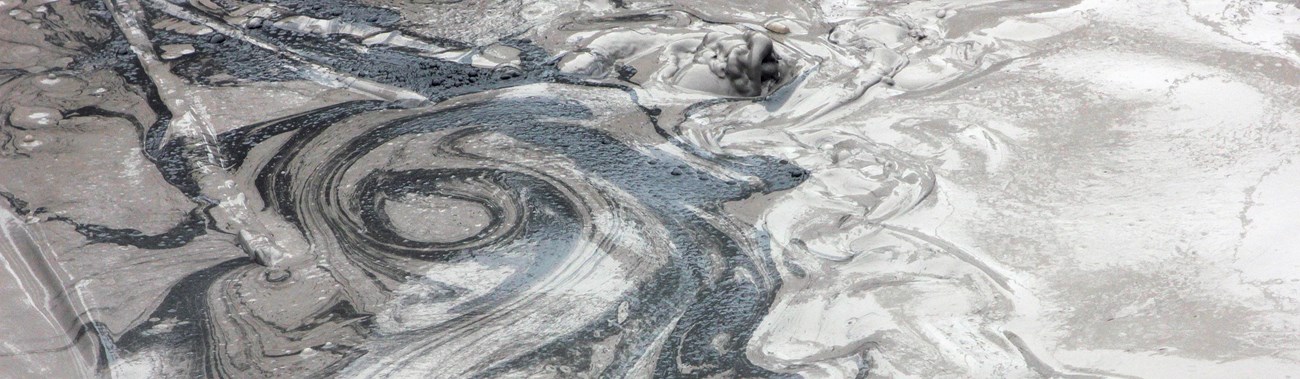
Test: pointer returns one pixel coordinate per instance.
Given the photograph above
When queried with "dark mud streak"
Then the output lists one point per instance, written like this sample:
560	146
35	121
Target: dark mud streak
8	75
19	206
177	236
187	304
235	144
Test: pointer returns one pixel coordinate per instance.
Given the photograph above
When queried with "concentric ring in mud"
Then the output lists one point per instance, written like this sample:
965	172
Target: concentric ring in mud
588	232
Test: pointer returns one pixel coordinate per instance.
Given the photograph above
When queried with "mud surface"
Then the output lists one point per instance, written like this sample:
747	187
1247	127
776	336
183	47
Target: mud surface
557	188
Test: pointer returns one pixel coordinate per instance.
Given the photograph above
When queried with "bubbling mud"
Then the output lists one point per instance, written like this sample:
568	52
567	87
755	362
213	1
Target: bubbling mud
557	188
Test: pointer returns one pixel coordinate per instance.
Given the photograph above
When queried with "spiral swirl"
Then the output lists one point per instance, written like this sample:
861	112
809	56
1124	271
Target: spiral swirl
497	235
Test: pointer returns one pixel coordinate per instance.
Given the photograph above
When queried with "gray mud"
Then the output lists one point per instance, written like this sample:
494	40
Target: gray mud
829	189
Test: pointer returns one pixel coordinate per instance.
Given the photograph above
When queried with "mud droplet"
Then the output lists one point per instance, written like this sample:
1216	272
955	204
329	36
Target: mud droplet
777	27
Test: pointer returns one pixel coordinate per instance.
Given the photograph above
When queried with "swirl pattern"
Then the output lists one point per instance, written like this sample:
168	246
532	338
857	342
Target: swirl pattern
558	232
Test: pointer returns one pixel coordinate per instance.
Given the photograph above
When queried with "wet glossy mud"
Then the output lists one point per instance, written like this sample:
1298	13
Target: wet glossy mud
829	189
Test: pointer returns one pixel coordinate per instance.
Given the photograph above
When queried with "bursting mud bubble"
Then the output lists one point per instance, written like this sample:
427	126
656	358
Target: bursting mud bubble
555	188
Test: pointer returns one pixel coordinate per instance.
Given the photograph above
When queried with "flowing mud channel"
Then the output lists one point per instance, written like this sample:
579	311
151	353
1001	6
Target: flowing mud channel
634	189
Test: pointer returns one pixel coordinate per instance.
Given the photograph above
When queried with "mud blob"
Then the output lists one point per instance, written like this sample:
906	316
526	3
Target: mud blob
674	53
743	65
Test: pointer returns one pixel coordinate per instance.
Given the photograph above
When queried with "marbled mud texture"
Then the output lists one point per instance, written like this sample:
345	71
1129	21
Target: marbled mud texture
693	189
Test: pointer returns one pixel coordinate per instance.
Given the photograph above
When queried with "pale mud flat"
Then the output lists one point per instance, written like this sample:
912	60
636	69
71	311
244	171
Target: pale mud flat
1111	194
993	189
1117	192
